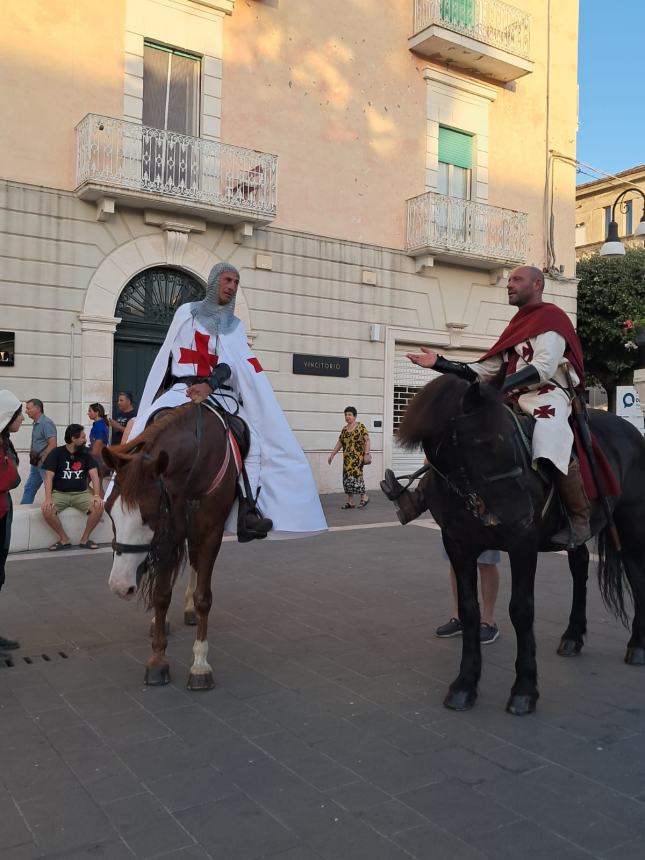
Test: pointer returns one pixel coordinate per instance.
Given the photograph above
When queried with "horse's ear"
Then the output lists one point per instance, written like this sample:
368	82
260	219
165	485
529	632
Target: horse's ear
473	399
498	380
162	462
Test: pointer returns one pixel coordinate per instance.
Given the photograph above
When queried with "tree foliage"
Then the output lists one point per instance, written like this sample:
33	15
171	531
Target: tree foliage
611	291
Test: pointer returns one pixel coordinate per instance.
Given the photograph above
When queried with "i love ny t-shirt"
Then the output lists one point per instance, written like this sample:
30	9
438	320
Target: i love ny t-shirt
70	470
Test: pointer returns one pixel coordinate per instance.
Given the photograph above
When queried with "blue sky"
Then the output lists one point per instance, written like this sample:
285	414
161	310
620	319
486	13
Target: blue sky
611	73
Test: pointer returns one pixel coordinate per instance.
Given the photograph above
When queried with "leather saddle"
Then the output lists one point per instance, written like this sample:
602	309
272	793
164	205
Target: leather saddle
238	426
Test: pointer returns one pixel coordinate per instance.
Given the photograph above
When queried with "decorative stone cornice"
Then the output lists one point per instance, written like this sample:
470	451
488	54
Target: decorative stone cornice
457	82
89	322
225	6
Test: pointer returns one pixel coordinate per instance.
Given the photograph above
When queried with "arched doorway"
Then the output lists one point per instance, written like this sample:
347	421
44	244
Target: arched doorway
146	307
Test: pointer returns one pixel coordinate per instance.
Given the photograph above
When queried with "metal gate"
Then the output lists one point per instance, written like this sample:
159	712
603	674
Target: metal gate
408	379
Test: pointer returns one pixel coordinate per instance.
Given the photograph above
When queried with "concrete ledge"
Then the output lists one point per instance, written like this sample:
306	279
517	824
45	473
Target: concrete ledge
30	532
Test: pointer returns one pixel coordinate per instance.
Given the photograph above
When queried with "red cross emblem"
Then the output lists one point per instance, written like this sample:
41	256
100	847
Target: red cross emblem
544	389
203	360
544	412
527	352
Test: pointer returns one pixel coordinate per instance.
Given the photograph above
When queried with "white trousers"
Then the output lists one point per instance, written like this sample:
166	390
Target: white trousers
552	437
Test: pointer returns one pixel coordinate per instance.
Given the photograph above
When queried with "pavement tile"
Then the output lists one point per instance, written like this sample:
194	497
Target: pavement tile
79	737
105	777
392	817
357	796
190	788
527	840
351	839
236	828
146	826
100	701
38	698
13	830
430	842
450	804
128	727
634	850
35	773
565	817
64	820
27	851
110	849
193	852
56	719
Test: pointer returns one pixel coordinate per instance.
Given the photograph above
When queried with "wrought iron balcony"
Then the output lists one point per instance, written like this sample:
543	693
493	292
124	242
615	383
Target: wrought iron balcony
142	166
455	230
484	37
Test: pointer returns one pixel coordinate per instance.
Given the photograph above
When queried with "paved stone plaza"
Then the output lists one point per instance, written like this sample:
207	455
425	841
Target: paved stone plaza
325	737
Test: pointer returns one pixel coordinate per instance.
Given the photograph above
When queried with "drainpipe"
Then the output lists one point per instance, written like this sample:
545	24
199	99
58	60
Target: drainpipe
71	372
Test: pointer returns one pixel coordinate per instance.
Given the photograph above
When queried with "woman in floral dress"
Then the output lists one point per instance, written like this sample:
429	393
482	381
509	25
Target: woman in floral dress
354	439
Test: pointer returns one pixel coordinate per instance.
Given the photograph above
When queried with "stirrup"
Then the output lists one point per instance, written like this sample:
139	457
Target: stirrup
393	489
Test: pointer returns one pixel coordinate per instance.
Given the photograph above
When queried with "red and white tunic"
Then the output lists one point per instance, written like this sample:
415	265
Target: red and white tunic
548	400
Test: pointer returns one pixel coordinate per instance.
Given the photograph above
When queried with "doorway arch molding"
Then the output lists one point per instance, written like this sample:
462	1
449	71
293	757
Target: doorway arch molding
97	319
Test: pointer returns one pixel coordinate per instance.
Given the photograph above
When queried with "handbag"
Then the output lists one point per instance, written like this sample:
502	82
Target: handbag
367	459
34	458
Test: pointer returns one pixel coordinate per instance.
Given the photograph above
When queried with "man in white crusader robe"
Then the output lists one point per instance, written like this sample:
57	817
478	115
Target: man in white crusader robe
203	339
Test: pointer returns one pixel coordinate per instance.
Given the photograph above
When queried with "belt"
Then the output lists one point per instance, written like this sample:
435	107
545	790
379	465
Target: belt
195	380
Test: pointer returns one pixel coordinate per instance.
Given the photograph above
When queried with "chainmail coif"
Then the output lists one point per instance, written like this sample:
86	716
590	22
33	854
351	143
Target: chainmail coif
215	318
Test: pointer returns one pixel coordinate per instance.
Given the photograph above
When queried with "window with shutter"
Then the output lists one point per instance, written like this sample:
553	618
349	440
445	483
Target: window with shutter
455	163
170	162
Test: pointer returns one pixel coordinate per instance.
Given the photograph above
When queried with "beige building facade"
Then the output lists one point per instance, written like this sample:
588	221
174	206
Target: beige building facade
373	169
595	202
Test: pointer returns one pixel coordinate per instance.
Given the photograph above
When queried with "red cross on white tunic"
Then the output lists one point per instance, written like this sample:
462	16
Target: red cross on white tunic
527	352
544	411
203	360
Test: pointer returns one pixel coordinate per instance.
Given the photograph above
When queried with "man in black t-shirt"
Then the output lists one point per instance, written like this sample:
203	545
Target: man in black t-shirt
67	470
126	411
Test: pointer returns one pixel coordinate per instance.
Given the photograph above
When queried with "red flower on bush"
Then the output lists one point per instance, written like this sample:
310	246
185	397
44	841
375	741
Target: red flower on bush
628	325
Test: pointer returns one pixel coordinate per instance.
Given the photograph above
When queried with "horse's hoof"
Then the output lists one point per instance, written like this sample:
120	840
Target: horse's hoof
190	618
635	657
152	628
198	683
157	676
569	647
460	700
521	705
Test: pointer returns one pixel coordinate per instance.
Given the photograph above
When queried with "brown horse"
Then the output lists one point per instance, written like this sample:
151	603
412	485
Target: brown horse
174	487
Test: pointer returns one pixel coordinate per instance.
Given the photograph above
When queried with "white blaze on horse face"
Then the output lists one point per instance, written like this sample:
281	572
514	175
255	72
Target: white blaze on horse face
129	528
200	663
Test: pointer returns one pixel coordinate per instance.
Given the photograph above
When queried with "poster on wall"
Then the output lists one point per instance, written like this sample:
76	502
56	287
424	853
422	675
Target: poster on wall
628	406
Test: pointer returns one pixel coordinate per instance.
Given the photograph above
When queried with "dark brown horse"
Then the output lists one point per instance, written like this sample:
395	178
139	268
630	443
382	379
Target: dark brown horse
174	487
485	495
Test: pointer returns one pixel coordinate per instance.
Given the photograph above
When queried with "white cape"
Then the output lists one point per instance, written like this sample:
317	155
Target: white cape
289	495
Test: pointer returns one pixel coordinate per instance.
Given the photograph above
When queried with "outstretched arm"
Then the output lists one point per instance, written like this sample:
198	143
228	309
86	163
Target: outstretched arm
470	372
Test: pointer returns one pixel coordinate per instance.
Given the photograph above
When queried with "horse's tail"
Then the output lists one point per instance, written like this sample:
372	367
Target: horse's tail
612	577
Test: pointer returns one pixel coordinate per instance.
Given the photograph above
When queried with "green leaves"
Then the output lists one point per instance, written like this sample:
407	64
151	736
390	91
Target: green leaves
611	291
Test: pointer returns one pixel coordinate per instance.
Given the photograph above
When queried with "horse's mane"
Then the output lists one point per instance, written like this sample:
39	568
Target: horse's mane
131	480
431	409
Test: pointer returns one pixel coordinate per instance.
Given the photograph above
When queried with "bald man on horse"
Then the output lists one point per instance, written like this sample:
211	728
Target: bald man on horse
530	352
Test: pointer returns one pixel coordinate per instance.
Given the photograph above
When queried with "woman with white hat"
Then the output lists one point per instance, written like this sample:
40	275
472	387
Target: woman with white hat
11	418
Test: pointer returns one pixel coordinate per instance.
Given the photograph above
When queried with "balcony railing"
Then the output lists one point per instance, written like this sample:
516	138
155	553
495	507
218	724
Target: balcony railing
128	157
449	227
489	21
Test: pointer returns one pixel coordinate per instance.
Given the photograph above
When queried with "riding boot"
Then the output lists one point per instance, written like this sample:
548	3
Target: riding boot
409	504
572	492
251	525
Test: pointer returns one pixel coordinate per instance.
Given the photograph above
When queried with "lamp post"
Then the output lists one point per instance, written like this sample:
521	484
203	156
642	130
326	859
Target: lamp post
613	247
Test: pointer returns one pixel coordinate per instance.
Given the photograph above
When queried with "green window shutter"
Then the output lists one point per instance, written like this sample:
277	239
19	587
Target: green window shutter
455	147
461	13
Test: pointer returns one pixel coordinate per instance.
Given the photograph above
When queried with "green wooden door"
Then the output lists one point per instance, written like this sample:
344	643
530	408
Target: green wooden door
146	307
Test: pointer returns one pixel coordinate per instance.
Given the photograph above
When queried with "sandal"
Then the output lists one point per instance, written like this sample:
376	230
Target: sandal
346	506
88	545
59	545
364	503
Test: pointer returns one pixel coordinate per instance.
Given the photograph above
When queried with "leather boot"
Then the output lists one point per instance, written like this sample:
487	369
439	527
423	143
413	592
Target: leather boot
572	492
409	504
251	525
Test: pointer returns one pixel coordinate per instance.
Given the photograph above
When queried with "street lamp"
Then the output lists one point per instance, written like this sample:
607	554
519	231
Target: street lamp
613	247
